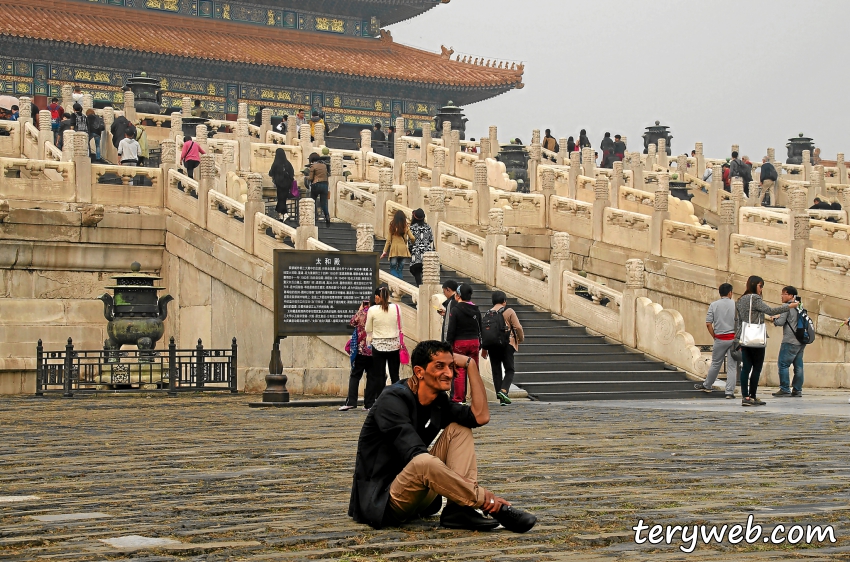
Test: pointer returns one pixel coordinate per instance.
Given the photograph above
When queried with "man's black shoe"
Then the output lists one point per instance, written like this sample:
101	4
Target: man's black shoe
781	393
457	517
515	520
434	508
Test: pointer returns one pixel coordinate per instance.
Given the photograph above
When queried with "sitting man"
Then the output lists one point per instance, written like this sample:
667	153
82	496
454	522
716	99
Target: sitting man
396	478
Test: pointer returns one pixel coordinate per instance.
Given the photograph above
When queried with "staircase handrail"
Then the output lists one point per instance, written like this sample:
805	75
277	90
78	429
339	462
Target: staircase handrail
596	290
189	185
222	201
399	287
51	152
279	229
315	244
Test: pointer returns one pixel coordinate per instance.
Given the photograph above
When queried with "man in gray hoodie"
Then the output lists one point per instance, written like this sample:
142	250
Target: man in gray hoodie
720	322
791	350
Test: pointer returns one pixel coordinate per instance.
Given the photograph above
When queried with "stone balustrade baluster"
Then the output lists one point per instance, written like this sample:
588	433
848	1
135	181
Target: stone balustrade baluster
600	202
494	141
426	140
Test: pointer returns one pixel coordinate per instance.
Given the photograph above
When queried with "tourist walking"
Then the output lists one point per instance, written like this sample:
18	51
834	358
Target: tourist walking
379	140
571	145
283	177
396	476
449	291
190	156
318	176
767	178
549	142
751	309
607	148
197	109
300	119
720	323
391	141
396	246
119	129
619	149
423	241
464	335
79	122
362	352
96	126
501	334
315	119
791	350
383	332
56	114
583	141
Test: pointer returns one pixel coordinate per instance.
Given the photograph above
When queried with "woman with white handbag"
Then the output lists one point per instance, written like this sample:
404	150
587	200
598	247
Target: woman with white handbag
751	334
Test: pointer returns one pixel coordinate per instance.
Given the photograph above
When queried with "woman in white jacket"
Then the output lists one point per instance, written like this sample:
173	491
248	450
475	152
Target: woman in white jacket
382	332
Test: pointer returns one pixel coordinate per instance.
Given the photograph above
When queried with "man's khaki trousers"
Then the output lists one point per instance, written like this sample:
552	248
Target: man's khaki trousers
449	469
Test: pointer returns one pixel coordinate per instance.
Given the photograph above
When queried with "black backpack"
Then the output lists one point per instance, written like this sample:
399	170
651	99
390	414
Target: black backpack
494	329
804	331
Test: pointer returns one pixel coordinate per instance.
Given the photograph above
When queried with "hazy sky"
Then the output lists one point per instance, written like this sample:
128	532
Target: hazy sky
724	72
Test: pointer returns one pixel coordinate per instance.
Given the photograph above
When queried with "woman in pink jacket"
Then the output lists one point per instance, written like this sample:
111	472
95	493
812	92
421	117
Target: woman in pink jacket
191	155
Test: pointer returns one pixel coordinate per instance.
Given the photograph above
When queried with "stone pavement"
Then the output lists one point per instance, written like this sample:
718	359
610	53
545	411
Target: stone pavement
207	478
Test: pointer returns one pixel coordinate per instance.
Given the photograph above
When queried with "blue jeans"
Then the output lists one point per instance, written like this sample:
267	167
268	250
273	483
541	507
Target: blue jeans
397	267
790	354
96	145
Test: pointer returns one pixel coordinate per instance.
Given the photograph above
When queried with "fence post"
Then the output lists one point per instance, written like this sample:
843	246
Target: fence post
173	382
39	369
233	365
66	375
199	364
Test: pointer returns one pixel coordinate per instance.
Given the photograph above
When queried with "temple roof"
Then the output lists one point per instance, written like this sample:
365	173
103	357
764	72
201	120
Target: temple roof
214	40
388	11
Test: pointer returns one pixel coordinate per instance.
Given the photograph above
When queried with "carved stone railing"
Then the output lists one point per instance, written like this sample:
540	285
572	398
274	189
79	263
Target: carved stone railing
375	162
452	182
461	250
271	235
520	274
592	304
314	244
759	222
262	157
253	130
392	208
10	144
37	180
521	209
221	126
355	205
465	165
133	190
767	258
51	152
571	215
158	120
830	236
226	218
181	195
498	177
627	229
30	146
689	243
827	272
460	205
236	187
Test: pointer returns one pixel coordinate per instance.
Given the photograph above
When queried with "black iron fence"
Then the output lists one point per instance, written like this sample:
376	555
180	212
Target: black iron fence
171	370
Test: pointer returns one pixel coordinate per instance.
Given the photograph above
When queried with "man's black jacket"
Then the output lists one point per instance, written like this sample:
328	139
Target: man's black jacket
391	437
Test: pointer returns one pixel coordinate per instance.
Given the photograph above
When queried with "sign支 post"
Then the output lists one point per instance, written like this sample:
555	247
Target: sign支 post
315	293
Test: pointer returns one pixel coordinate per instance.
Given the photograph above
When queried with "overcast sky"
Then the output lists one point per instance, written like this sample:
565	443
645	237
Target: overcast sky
723	72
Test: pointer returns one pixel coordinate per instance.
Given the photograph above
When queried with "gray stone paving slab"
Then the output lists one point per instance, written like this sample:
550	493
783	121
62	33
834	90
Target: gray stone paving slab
226	482
63	517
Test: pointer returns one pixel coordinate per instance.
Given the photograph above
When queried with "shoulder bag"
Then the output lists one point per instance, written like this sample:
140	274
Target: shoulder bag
753	335
403	354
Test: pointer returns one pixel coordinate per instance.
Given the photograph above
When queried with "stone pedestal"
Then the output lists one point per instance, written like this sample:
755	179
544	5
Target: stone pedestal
265	123
715	188
651	154
616	183
130	106
494	141
575	172
588	163
291	129
698	147
306	223
336	176
637	171
439	167
800	242
563	155
663	159
548	188
244	140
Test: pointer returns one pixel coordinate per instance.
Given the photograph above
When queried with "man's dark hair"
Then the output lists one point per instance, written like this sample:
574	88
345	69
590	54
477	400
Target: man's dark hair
465	292
499	297
54	100
725	289
450	284
617	137
15	108
607	135
377	125
425	351
548	133
790	290
78	107
391	128
735	154
817	200
315	113
197	103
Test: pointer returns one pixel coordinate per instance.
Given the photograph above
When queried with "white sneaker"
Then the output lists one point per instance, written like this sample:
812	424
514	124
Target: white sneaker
346	408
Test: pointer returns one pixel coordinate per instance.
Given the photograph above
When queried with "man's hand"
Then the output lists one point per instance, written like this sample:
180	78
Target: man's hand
492	502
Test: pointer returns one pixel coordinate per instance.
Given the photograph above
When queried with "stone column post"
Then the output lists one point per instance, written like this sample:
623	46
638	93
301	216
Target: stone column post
548	188
265	124
635	288
168	160
496	236
241	109
663	159
291	129
842	168
67	101
186	107
201	137
206	182
660	213
244	140
306	144
799	237
616	184
176	128
82	166
484	148
336	176
727	227
588	162
651	154
436	207
681	166
306	223
715	188
253	205
738	196
439	167
807	165
88	102
320	135
400	152
575	172
533	164
494	141
107	150
423	144
411	181
600	202
68	146
818	183
447	144
700	160
430	286
563	155
24	116
482	189
44	132
559	262
453	150
130	106
385	193
228	161
737	148
637	172
365	237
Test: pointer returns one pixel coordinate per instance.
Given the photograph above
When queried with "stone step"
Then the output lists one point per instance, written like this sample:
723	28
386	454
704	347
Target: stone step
557	377
583	396
611	385
638	364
